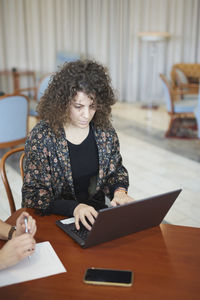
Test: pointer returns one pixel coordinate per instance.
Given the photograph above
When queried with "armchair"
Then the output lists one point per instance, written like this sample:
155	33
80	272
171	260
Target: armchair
197	115
176	108
185	77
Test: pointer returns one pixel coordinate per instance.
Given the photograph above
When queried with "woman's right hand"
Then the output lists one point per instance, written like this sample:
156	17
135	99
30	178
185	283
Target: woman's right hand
16	249
83	211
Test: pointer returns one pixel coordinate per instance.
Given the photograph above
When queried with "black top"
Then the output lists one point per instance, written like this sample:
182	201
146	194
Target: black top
85	166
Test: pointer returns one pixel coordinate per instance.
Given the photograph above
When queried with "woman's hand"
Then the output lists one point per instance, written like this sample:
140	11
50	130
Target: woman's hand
83	211
120	197
20	225
16	249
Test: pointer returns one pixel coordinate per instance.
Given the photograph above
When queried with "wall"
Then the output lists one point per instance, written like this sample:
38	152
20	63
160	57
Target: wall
33	31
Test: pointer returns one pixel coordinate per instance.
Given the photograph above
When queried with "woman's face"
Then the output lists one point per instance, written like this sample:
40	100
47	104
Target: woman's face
81	110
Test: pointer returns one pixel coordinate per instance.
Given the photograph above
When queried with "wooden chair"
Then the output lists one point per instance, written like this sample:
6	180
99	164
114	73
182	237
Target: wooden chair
182	108
13	120
4	174
11	80
19	74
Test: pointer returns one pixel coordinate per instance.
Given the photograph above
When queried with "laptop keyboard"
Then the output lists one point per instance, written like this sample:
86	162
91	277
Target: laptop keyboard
82	232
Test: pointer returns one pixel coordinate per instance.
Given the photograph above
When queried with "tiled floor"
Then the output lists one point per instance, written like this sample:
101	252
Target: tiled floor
153	162
155	170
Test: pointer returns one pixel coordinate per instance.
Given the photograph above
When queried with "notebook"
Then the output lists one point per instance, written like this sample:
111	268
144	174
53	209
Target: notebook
115	222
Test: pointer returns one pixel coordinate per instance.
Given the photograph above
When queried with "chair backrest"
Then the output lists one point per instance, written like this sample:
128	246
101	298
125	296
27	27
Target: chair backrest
64	56
4	174
181	79
168	93
43	84
13	120
197	114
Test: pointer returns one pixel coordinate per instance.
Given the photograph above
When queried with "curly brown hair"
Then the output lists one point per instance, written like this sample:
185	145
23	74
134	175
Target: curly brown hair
85	76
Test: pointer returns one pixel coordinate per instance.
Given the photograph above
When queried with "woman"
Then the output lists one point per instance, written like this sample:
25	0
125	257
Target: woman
20	244
72	154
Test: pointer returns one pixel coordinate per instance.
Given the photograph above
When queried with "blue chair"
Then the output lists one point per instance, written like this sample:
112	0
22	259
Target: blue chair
63	56
197	114
182	108
42	86
13	120
38	93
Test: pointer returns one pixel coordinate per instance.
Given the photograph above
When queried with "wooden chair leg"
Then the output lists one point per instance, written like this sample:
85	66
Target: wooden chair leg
169	127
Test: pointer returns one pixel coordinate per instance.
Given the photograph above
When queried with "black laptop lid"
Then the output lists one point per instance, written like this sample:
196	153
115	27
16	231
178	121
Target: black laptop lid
138	215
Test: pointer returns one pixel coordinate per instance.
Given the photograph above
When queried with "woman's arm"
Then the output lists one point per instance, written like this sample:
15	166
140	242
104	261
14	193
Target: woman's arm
117	173
43	181
4	230
37	190
118	180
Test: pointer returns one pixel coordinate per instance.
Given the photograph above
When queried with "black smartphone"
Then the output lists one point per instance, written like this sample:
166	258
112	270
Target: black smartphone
108	277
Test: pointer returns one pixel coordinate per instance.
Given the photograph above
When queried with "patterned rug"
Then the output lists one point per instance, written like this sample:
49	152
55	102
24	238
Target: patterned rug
183	128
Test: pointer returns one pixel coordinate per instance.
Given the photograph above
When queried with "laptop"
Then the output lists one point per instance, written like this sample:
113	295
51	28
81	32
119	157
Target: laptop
115	222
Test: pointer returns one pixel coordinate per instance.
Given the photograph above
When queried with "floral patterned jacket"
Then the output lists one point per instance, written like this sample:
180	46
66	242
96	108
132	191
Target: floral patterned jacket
48	174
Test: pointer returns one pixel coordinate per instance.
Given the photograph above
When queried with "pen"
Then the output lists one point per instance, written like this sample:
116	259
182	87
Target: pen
26	229
26	224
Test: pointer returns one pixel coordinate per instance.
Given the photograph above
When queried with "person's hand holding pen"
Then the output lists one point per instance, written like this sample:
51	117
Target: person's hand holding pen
21	245
20	225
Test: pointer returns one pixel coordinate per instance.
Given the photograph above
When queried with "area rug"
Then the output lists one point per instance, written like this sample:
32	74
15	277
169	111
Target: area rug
184	128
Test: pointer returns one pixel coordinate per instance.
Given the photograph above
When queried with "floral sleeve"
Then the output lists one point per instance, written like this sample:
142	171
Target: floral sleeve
37	190
117	175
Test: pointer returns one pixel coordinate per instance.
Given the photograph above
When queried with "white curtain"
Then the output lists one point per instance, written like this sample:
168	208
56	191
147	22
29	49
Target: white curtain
32	32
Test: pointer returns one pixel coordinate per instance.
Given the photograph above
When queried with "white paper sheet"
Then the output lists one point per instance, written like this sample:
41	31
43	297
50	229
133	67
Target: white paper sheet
68	220
42	263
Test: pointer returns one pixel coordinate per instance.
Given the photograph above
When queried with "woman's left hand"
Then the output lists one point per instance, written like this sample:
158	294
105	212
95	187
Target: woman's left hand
120	197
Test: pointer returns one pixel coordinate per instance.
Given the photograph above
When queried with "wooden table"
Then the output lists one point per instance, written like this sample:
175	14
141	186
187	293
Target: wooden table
165	261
